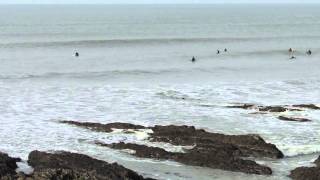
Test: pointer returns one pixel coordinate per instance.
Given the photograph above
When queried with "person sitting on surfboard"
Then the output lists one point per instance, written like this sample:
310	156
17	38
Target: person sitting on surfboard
225	50
218	51
76	54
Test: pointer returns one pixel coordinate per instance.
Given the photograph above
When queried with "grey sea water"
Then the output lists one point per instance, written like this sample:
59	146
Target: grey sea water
134	66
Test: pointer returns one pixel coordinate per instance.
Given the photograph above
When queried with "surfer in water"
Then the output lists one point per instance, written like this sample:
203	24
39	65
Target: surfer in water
193	59
309	52
293	57
218	51
76	54
290	50
225	50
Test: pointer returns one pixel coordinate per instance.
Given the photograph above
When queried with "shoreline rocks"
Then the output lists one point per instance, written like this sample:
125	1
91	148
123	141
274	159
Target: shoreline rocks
212	150
8	166
65	166
62	165
307	173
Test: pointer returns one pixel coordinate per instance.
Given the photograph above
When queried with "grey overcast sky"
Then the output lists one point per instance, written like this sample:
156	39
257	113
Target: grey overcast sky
149	1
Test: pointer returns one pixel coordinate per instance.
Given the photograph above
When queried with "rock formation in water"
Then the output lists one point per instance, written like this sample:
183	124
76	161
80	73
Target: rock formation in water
8	166
65	166
210	149
307	173
295	119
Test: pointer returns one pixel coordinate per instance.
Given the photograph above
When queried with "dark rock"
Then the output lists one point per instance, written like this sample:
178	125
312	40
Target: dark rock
307	106
8	166
243	106
296	119
273	109
103	127
217	156
307	173
210	149
248	145
72	166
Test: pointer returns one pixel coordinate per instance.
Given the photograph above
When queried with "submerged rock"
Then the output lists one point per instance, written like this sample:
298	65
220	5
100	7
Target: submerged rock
276	109
273	109
104	127
307	173
217	156
296	119
307	106
72	166
8	166
210	149
242	106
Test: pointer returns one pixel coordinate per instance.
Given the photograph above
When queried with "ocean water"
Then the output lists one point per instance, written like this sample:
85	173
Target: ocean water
135	67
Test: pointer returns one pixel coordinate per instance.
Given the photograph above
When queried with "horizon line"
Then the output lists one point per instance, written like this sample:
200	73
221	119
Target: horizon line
215	3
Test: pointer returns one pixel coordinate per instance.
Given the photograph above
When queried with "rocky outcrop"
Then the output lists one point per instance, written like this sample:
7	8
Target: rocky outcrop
276	109
307	173
247	145
72	166
64	166
242	106
210	149
103	127
217	156
294	119
8	166
307	106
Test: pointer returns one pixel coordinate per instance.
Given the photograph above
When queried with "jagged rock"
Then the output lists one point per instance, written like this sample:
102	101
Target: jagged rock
222	150
217	156
8	166
72	166
307	173
104	127
296	119
248	145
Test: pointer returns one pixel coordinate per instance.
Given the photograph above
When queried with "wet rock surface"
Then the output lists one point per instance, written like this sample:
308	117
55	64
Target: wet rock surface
247	145
307	106
66	165
8	166
209	149
295	119
307	173
217	156
276	109
104	127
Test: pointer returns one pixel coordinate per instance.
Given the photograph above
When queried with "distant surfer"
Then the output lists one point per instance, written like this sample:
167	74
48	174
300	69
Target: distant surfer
218	51
193	59
293	57
290	50
309	52
76	54
225	50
